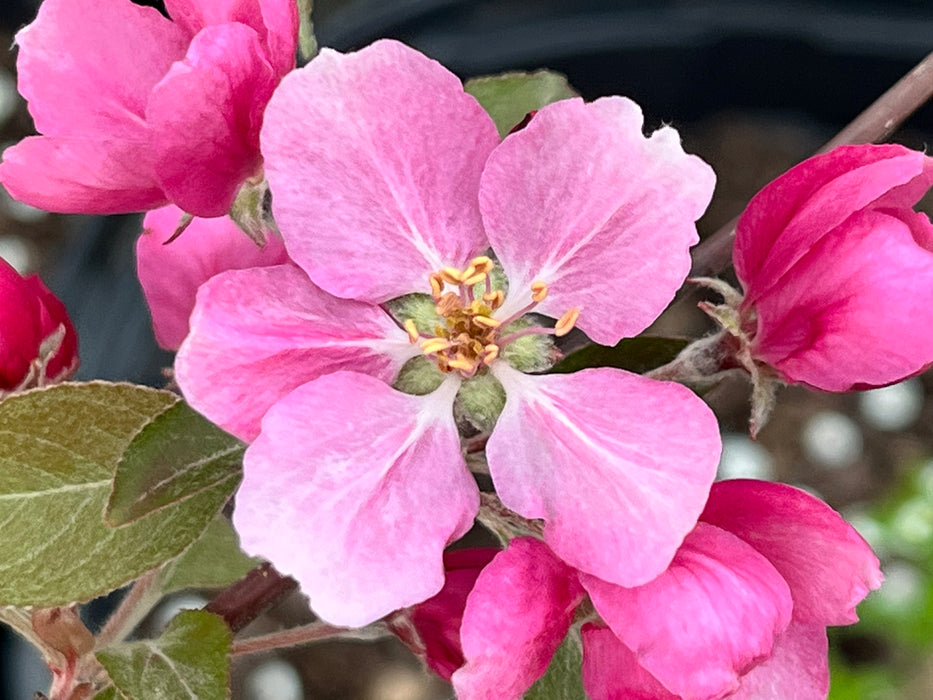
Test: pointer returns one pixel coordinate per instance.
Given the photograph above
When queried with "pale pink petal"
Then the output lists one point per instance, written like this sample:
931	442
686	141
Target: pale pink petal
854	310
355	489
791	214
257	334
706	620
438	619
374	160
171	274
797	670
581	200
275	21
86	66
76	175
618	465
517	615
827	565
218	92
611	671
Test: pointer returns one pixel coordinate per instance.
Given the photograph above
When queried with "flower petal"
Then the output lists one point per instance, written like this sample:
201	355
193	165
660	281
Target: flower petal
77	175
438	619
797	670
611	671
86	66
706	620
854	310
275	21
618	465
355	489
257	334
517	615
223	83
374	160
581	200
827	565
788	216
20	321
171	274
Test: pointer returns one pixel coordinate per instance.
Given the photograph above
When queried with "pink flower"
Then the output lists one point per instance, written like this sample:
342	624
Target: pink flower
171	274
838	269
740	613
355	487
137	110
38	344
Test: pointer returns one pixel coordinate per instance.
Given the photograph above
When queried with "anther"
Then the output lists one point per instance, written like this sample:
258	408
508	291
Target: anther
462	363
566	322
412	330
450	275
538	291
437	285
495	298
433	345
482	264
486	321
473	279
490	353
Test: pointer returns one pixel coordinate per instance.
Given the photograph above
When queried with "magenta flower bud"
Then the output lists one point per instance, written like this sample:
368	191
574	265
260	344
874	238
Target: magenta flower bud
837	269
38	344
136	110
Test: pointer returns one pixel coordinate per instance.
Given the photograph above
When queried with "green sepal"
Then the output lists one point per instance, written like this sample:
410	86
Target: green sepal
563	679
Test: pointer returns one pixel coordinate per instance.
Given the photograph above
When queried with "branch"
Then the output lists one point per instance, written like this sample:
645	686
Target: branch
305	634
252	595
876	123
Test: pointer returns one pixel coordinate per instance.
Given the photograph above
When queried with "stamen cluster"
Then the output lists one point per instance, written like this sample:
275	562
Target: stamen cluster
469	337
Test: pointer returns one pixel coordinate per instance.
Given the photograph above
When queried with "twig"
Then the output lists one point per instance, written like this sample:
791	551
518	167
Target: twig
136	604
876	123
249	597
296	636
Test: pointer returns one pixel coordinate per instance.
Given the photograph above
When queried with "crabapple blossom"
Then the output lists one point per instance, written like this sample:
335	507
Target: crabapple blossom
427	256
837	269
116	91
38	344
171	274
741	612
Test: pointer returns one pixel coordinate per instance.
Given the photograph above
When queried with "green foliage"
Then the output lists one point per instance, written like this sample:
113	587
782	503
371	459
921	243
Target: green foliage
190	661
177	455
59	451
563	679
214	561
638	355
510	96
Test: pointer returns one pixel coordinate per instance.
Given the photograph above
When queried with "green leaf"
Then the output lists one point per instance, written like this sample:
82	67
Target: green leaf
214	561
190	661
109	693
176	456
59	449
638	355
563	679
510	96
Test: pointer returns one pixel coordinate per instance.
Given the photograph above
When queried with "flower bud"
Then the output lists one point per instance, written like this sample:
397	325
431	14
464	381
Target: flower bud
38	344
838	269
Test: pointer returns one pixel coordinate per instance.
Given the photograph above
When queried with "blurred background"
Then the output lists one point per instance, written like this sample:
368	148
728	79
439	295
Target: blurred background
753	86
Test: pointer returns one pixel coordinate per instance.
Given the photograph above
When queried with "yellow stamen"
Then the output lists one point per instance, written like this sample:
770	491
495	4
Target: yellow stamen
486	321
490	353
412	330
437	285
450	275
473	279
538	291
495	298
482	264
566	322
433	345
447	303
461	363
